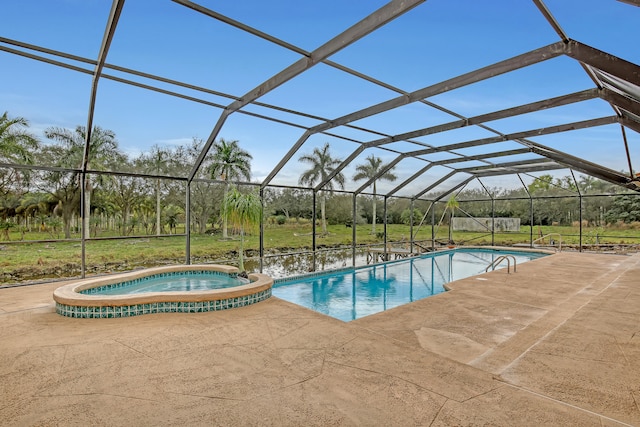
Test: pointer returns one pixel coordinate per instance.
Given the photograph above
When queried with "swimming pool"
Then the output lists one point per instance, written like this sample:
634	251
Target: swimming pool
352	294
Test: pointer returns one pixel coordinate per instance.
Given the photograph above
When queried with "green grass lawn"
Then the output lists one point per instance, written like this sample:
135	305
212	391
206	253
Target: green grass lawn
20	260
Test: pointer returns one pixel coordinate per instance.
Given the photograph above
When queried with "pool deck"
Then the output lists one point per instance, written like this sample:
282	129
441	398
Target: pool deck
557	343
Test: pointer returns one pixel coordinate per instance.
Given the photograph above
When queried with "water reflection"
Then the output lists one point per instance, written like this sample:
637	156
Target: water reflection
376	281
296	264
376	284
329	288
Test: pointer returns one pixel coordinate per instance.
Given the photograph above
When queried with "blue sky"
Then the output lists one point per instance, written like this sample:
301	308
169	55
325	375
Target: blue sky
438	40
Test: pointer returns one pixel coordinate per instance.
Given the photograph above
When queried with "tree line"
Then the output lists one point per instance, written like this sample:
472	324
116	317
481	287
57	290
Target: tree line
47	198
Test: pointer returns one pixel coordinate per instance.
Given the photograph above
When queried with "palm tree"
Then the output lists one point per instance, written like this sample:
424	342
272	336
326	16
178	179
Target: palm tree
243	210
15	143
34	205
157	163
63	186
16	146
322	165
103	150
8	206
205	196
452	205
229	162
370	170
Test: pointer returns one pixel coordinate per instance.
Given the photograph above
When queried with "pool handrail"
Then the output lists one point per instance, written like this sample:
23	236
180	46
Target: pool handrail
500	259
550	242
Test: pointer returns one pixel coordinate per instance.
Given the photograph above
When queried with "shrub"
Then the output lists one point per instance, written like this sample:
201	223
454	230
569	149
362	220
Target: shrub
406	216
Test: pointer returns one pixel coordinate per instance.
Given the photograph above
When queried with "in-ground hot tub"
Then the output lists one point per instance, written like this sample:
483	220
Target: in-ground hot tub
83	299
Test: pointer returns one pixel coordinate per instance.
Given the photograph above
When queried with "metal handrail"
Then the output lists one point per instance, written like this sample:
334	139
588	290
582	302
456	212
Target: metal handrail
501	258
551	243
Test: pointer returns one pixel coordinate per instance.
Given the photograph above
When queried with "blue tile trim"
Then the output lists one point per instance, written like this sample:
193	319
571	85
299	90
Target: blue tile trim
108	312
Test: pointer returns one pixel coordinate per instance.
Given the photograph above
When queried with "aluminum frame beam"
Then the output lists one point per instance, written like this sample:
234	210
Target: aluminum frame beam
520	135
631	124
604	61
631	2
526	59
511	64
435	184
540	168
109	32
476	120
341	166
558	101
584	166
578	50
165	80
518	165
454	188
384	170
534	147
165	91
620	101
585	54
303	52
457	160
410	179
380	17
300	51
551	20
482	156
293	48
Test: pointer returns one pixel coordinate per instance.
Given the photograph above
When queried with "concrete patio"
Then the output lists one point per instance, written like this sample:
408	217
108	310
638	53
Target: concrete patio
557	343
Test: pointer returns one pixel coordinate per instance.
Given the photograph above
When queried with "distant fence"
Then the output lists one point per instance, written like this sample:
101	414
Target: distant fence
484	224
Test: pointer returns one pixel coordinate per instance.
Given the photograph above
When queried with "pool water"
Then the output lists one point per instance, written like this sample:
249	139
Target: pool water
368	290
201	281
